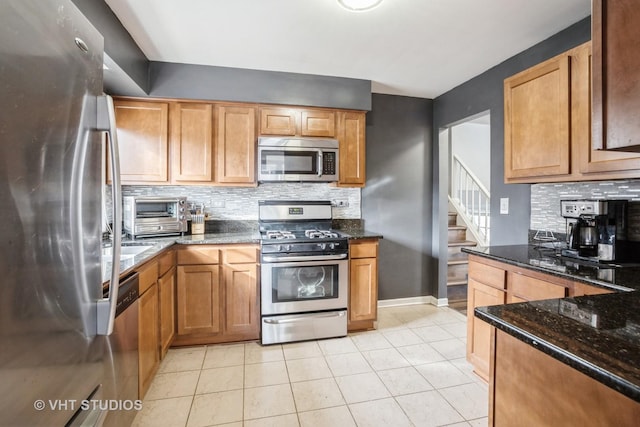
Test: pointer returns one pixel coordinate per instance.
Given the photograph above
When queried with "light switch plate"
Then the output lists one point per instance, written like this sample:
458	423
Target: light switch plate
504	206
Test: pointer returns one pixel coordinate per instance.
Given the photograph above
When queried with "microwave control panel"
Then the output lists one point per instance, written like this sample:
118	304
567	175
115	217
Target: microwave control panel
329	163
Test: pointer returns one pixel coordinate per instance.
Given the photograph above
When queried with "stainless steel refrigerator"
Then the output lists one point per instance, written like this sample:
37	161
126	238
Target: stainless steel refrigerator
54	321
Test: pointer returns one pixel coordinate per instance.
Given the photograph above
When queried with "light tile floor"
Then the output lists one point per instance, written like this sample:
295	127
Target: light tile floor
411	371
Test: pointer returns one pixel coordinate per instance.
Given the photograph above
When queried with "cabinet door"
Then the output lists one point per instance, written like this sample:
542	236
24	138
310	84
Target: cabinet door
241	307
236	145
191	142
363	289
198	299
616	75
142	129
351	134
318	123
148	344
479	332
537	124
593	163
167	292
278	121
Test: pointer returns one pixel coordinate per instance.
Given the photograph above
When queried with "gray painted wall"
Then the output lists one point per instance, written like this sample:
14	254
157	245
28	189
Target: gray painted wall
190	81
118	45
485	92
397	199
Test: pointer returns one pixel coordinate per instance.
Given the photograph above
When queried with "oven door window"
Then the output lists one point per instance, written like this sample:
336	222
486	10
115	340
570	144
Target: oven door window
312	282
274	162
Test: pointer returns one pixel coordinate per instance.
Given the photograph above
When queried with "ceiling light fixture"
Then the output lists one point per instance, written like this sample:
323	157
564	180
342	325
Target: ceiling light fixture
359	5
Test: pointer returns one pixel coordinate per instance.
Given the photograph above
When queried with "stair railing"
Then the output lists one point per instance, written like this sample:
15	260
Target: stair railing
471	199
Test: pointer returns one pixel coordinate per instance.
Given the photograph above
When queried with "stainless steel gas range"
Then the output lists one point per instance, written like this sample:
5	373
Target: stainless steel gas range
304	272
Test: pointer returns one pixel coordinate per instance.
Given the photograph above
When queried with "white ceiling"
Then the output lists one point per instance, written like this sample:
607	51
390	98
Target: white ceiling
419	48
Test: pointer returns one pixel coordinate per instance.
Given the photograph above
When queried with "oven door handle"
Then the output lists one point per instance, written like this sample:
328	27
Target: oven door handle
268	258
305	318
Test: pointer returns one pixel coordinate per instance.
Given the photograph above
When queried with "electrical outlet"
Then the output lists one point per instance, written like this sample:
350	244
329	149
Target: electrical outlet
217	203
504	206
342	203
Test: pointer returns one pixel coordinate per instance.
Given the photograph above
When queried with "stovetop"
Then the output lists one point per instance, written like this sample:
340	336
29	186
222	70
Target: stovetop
310	234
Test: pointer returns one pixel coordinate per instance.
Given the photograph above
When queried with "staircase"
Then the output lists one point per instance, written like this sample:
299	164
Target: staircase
457	264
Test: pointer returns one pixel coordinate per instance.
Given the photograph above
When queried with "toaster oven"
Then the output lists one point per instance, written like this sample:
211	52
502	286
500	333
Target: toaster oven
145	216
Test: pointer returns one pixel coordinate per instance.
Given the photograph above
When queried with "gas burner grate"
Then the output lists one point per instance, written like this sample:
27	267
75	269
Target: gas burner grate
280	235
321	234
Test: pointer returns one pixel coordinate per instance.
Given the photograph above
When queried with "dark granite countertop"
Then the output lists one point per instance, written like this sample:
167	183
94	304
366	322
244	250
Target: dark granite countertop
245	237
221	238
546	260
597	335
358	234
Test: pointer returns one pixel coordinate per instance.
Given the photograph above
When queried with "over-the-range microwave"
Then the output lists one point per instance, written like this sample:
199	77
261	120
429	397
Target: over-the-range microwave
297	159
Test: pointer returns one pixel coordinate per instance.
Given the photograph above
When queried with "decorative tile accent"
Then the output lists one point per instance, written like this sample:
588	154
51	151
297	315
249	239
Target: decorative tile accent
545	200
237	203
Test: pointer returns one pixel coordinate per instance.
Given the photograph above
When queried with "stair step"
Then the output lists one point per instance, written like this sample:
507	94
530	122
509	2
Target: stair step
457	296
453	218
457	261
457	282
455	255
457	234
467	243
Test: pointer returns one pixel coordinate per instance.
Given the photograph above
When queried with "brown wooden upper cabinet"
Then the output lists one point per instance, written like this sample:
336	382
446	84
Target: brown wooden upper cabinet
191	142
143	142
351	134
207	143
548	125
297	122
537	105
616	74
236	145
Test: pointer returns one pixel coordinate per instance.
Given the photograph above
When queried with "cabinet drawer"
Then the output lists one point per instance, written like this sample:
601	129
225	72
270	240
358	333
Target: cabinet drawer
147	276
166	261
530	289
490	276
363	250
240	255
198	255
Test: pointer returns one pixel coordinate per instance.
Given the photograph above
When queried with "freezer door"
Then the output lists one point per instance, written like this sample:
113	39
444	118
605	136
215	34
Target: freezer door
50	76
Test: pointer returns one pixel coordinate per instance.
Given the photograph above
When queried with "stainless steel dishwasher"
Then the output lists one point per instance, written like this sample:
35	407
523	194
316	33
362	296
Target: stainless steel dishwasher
123	384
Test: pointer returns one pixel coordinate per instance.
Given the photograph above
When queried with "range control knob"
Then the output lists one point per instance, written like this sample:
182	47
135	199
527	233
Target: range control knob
322	246
332	245
287	247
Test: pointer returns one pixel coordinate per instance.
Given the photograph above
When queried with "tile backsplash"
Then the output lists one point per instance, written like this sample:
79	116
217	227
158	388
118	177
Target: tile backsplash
545	199
237	203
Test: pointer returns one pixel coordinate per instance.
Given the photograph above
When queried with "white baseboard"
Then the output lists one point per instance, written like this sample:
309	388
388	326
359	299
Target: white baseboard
429	299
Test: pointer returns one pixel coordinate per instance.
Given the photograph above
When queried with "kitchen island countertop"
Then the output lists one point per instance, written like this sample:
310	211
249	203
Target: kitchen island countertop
598	335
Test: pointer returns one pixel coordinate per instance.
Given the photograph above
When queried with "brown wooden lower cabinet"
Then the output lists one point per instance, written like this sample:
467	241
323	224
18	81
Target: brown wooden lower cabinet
219	301
363	285
528	387
198	299
494	283
148	355
478	331
167	300
242	307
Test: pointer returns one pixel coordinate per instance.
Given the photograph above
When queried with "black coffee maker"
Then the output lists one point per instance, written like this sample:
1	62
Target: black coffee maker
597	230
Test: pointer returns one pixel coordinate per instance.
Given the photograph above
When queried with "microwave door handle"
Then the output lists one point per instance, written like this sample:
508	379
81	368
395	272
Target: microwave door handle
320	163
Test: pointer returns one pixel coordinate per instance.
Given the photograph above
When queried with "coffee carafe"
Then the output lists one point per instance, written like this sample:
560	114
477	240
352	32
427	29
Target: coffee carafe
587	236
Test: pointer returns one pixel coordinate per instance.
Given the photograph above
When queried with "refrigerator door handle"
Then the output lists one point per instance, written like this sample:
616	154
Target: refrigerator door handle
107	306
